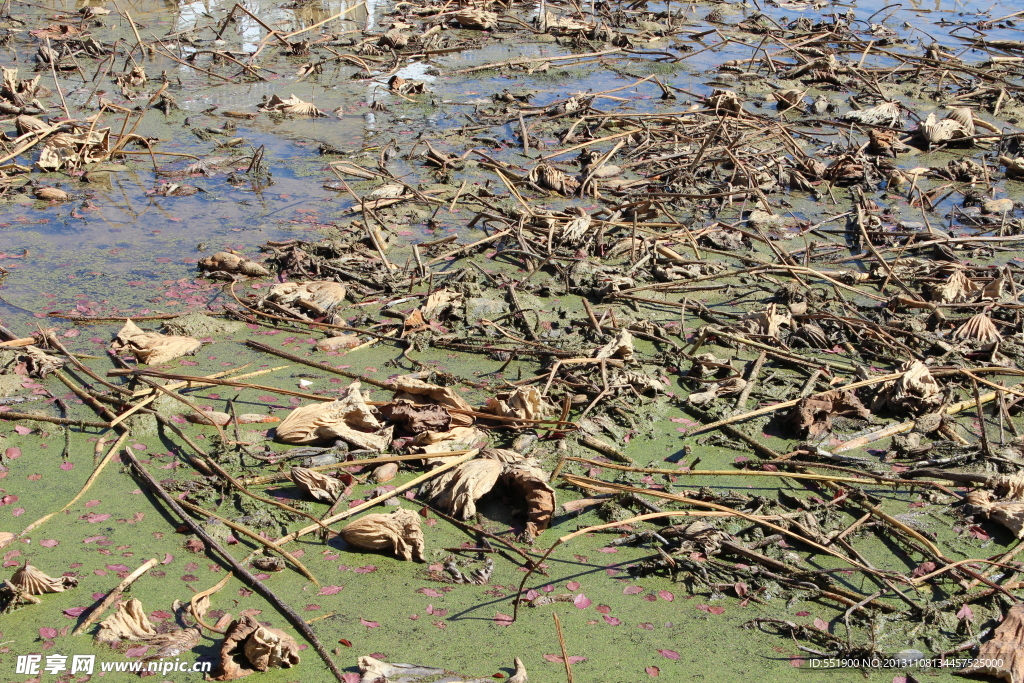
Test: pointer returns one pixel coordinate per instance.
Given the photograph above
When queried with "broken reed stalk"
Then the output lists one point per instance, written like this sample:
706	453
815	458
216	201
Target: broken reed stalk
469	455
88	484
789	404
66	421
281	476
598	485
254	536
561	644
881	481
113	595
611	525
154	486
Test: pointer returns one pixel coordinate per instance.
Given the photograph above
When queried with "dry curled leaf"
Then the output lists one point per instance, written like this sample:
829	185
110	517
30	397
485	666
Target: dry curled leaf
34	582
348	418
399	531
40	364
1003	654
226	262
727	387
320	297
73	150
417	419
523	403
620	347
458	490
978	328
416	390
129	622
812	416
321	486
476	19
153	348
1009	513
292	106
882	114
174	643
550	178
957	287
271	648
914	393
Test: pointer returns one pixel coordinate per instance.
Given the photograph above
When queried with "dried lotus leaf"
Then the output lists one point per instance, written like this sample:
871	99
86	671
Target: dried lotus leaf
129	622
456	438
29	124
938	131
725	102
399	531
228	669
915	392
479	20
34	582
175	643
226	262
1010	486
317	484
812	416
577	228
882	114
978	328
319	296
271	648
550	178
376	671
768	322
324	421
394	39
530	482
1014	167
619	347
413	388
458	490
292	106
1003	655
418	418
153	348
523	403
956	288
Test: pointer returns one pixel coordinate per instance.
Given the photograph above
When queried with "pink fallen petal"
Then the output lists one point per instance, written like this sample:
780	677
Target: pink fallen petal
796	661
603	609
17	512
13	453
632	590
137	651
653	671
24	431
821	624
502	619
74	611
573	586
669	654
666	595
118	567
612	621
330	590
430	592
67	466
582	601
47	633
49	543
369	624
365	570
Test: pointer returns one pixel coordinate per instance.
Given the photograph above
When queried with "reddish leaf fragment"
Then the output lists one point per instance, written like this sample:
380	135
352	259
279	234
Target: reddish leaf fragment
330	590
632	590
653	671
503	619
557	659
49	543
47	633
669	654
582	601
369	624
666	595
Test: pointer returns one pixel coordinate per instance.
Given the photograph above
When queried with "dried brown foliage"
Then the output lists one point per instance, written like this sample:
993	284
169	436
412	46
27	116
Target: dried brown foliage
399	531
